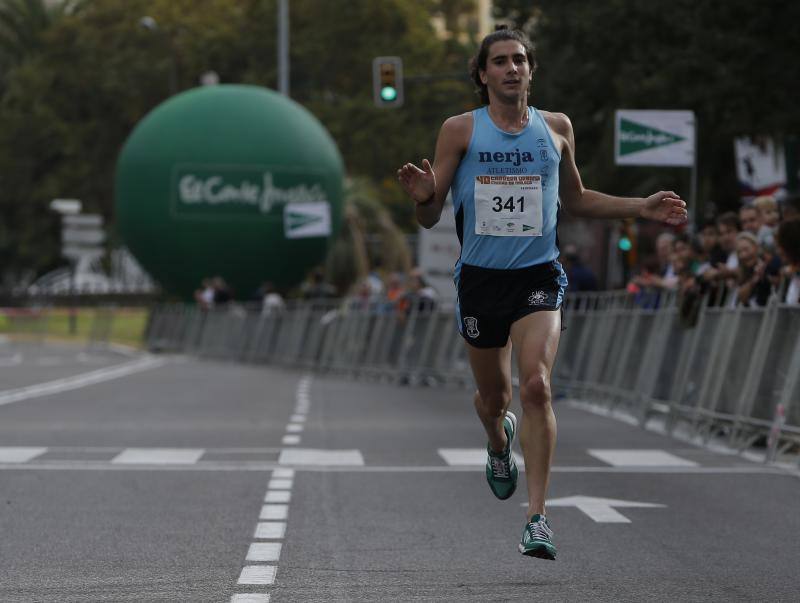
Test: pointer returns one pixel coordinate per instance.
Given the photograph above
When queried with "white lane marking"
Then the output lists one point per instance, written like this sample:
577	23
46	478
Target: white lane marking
280	484
264	551
19	454
273	530
283	473
278	496
250	598
69	383
272	512
298	418
290	440
640	458
468	457
600	510
258	574
312	456
158	456
294	428
14	360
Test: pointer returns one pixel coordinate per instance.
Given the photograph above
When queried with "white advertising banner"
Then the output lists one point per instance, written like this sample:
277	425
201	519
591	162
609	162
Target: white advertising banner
438	250
654	138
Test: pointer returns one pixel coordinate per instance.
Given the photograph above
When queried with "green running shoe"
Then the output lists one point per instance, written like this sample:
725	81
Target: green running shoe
537	539
501	469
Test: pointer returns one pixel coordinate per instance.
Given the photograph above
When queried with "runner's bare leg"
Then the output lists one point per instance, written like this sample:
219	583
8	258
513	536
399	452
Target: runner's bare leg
535	337
492	370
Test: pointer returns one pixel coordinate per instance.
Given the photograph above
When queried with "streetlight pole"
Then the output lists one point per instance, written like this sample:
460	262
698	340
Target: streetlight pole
283	47
150	24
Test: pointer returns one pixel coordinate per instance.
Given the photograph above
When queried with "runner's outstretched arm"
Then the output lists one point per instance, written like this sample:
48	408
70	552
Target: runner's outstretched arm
428	186
663	206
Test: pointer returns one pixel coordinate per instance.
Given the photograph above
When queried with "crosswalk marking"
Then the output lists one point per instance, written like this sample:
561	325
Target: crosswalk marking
468	456
640	458
156	456
310	456
20	454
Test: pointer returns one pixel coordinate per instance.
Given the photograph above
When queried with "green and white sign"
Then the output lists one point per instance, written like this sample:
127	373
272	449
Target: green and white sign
654	138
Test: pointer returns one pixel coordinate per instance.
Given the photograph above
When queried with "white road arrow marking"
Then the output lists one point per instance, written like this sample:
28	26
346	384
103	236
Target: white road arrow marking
600	510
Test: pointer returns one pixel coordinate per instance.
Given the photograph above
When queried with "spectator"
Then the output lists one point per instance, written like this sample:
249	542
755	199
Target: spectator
204	296
791	207
394	287
788	242
316	287
753	286
750	219
580	277
712	252
222	292
664	243
769	217
271	301
420	295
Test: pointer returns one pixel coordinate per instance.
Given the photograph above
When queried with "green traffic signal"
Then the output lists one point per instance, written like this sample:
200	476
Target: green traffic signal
625	244
388	93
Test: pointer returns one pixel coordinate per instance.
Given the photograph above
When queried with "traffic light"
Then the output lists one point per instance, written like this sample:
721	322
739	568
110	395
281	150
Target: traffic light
387	82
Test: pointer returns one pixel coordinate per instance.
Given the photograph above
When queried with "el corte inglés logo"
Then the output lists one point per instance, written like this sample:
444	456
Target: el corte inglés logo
233	189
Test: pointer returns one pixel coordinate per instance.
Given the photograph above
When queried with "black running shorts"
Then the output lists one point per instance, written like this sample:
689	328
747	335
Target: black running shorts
491	300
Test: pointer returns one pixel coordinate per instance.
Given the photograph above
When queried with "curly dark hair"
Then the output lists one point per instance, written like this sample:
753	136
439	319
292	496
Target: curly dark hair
788	237
478	62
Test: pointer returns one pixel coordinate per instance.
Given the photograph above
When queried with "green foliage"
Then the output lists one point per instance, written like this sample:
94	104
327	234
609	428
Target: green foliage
84	80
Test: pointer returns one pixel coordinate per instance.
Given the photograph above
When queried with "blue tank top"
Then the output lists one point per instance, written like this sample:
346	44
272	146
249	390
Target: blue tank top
493	155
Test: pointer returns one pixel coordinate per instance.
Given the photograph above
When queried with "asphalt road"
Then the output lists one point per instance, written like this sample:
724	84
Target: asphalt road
131	479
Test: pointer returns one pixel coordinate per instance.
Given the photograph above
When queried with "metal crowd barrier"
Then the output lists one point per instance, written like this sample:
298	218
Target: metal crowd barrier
733	373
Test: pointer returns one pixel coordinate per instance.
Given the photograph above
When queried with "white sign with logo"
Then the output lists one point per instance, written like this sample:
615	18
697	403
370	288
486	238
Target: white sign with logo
304	220
654	138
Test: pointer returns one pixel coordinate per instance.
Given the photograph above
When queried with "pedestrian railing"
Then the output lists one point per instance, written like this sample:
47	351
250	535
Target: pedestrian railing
725	372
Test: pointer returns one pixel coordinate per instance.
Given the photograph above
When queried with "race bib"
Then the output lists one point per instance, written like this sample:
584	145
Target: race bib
508	206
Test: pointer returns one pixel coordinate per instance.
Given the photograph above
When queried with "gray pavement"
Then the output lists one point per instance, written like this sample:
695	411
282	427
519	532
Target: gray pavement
151	486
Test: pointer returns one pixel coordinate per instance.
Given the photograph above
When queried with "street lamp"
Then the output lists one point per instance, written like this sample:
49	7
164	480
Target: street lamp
150	24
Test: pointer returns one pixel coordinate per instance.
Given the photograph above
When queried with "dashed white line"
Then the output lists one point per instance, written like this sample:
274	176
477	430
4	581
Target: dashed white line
278	496
298	418
291	440
264	551
258	574
280	484
274	512
250	598
270	529
294	428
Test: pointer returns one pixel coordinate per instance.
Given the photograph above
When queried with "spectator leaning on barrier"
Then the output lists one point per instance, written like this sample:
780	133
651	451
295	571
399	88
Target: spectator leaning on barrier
791	207
788	243
769	217
752	285
750	219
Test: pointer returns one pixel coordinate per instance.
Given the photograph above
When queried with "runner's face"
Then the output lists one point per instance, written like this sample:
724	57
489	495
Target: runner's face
507	73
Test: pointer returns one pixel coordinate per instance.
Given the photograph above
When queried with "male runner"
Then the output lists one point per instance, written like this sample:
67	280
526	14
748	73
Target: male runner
508	164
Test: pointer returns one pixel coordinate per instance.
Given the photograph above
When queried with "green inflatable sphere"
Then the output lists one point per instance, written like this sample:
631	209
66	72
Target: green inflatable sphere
235	181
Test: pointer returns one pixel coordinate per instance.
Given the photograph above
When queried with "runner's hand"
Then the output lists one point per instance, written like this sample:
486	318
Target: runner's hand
665	206
419	184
